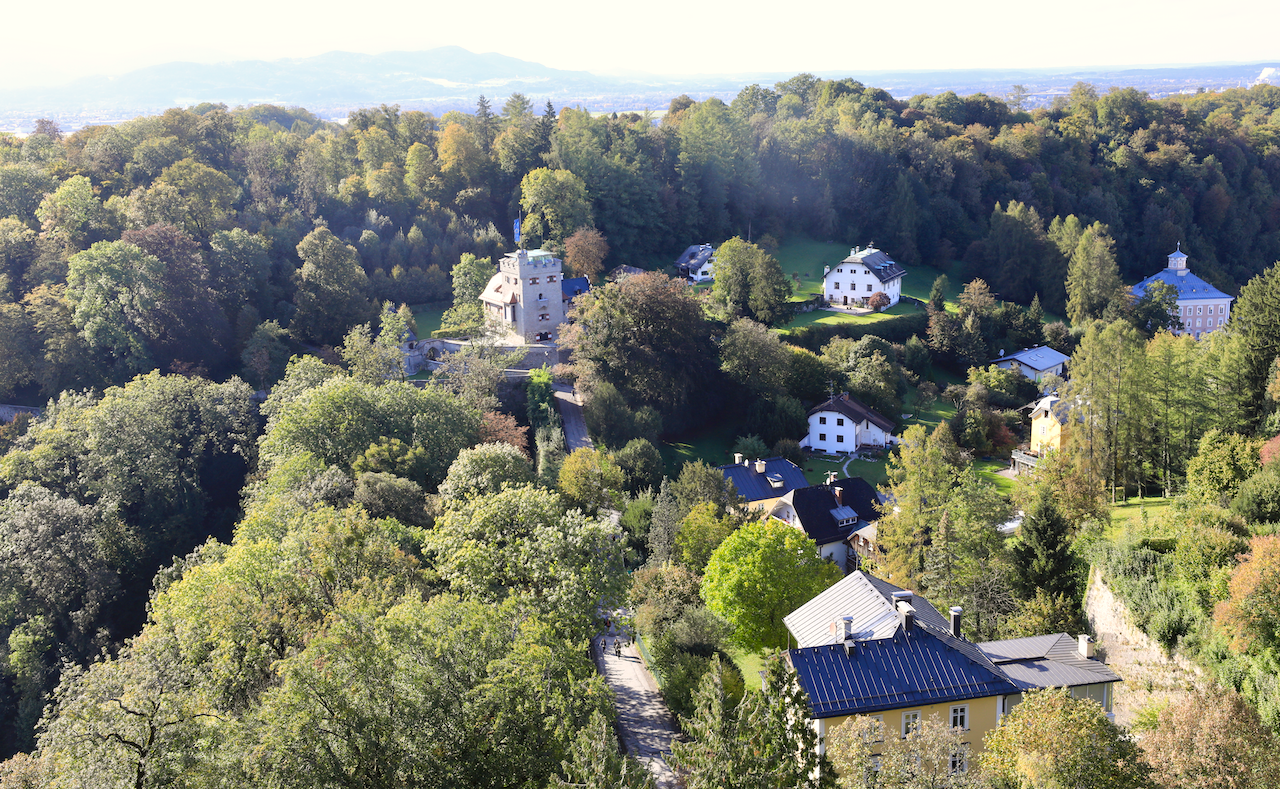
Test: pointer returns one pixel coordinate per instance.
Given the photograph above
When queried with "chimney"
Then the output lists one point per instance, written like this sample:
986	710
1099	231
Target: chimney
760	466
1086	645
839	494
906	612
737	458
956	611
849	647
831	477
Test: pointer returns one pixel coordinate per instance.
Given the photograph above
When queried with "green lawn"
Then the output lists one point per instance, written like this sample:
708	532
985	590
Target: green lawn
987	471
827	317
750	664
427	316
1130	514
711	445
873	471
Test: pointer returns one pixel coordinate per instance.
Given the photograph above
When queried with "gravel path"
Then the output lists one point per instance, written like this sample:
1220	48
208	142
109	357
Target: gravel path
647	726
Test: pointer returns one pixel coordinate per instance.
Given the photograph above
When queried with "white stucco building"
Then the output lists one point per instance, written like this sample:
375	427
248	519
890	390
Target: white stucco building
843	423
1202	307
857	277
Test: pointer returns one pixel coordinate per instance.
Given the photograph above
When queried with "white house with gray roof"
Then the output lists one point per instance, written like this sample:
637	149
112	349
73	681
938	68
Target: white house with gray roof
865	272
1201	307
1035	363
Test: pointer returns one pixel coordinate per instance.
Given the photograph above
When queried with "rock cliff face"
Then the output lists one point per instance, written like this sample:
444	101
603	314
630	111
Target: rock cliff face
1150	676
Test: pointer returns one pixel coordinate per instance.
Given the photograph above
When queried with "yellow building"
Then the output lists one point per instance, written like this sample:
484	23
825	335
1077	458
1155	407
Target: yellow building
869	648
1048	425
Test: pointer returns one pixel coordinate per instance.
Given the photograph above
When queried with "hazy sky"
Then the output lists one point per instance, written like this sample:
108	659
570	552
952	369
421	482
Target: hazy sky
71	38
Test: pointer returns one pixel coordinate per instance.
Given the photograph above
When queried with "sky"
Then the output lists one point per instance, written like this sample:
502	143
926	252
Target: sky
76	38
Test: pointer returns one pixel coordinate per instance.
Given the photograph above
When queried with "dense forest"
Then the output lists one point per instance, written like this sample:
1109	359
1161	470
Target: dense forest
167	240
359	577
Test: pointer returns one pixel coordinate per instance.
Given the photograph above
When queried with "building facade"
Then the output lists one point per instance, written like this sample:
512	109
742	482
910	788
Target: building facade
1035	363
1202	308
844	423
863	273
525	297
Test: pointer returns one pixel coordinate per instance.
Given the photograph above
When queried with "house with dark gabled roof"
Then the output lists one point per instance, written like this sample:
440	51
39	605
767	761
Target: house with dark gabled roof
697	263
864	273
839	517
844	423
869	648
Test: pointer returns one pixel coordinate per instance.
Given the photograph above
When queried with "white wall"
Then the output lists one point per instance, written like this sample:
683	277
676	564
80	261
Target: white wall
853	280
855	435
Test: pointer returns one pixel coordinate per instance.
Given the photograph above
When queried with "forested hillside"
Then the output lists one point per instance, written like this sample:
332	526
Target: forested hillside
361	577
166	240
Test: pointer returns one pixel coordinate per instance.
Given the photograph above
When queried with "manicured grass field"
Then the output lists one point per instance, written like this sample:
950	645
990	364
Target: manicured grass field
1130	514
828	317
750	664
427	316
987	471
710	445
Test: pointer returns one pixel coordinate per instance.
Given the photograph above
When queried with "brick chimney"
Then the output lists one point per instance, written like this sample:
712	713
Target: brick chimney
839	494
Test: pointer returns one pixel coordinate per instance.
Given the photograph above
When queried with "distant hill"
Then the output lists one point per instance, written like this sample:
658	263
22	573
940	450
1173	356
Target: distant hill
445	78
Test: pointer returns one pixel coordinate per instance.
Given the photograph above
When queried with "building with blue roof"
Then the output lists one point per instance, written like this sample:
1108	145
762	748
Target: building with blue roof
869	648
763	482
1202	308
1035	363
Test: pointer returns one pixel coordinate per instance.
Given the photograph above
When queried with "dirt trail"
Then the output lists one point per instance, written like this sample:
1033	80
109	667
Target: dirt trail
1149	675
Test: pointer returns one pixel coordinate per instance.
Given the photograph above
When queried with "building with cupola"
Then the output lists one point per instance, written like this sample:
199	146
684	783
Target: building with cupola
1202	308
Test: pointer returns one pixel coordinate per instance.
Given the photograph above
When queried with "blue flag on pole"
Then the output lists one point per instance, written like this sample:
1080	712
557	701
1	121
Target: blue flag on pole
517	231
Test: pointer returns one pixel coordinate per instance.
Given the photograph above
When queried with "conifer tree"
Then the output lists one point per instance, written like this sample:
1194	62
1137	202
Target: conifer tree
1042	552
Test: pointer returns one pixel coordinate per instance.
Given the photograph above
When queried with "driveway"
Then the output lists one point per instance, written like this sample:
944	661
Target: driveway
575	427
646	724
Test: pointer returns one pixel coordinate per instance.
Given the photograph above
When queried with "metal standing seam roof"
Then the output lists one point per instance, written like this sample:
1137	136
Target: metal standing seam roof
915	667
1050	405
756	487
1188	285
574	286
1046	661
867	600
1040	357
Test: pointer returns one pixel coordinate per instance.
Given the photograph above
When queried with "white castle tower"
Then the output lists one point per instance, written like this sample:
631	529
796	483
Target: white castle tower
525	296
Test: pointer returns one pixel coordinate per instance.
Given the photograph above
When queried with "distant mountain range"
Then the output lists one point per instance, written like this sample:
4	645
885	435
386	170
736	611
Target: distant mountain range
445	78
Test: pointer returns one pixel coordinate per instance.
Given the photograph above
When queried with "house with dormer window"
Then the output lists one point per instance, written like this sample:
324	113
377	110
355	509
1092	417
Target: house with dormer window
1201	307
869	648
864	273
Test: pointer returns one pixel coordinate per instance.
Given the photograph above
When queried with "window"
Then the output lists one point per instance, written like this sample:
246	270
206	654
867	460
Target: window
822	420
1219	321
551	278
822	436
836	286
1197	323
544	317
1222	309
839	271
839	422
533	280
542	297
910	722
959	762
1042	429
840	439
960	717
868	287
1199	310
875	729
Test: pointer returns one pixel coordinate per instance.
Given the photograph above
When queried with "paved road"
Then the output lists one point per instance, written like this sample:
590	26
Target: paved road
647	726
575	427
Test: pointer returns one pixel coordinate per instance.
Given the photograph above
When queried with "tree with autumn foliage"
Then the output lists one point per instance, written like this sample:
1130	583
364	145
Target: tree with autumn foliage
585	251
1211	737
1251	615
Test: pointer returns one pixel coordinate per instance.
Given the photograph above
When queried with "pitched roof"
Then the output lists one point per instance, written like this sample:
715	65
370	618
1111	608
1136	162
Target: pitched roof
912	668
695	256
1051	404
499	292
1046	661
574	286
855	409
819	512
1188	286
780	477
1041	357
877	262
890	667
867	600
